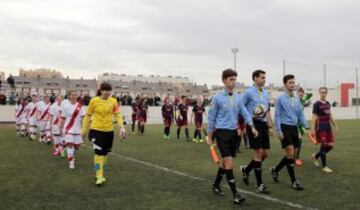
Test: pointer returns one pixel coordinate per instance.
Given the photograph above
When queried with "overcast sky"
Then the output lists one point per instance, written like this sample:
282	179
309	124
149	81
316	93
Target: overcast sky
183	37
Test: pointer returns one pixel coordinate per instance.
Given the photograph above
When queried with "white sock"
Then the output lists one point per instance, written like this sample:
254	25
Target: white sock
70	153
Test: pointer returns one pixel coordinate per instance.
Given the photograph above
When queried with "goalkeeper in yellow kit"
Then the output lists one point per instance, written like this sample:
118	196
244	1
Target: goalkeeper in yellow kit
100	114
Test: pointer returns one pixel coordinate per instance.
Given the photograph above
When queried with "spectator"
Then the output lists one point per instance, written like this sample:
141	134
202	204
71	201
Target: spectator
52	98
157	101
123	100
12	100
138	97
2	99
129	100
11	81
87	99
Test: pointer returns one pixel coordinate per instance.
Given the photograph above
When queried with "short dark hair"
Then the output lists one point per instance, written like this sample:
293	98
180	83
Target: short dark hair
301	90
287	78
257	73
228	73
70	91
183	96
104	86
323	88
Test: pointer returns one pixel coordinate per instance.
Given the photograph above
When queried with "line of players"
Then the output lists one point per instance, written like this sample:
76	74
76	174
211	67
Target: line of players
172	112
60	122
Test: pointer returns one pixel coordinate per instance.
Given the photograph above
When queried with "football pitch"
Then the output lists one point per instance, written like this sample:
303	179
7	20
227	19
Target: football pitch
147	172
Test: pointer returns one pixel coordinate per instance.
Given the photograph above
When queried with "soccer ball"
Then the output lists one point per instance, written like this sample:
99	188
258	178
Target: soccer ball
259	110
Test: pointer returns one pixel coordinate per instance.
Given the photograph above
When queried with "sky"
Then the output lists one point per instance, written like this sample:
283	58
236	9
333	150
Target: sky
183	38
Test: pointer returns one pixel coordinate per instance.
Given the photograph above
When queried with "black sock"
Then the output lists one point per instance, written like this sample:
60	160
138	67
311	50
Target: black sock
168	131
143	129
257	170
323	158
231	180
195	134
290	167
249	167
282	163
318	154
165	131
199	133
133	127
138	126
219	176
178	132
187	133
204	130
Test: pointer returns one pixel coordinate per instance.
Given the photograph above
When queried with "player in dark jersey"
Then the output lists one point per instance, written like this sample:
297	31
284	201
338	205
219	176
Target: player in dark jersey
142	114
167	112
134	107
321	128
198	112
182	118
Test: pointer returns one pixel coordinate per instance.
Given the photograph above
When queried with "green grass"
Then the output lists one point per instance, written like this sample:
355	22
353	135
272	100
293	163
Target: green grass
31	178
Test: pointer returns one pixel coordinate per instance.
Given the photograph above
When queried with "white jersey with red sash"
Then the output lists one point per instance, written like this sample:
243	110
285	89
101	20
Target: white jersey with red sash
63	104
73	115
43	118
31	113
54	112
17	106
19	112
43	109
22	114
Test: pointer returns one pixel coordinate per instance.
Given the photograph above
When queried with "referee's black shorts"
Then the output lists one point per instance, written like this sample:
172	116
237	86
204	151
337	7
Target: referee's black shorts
262	141
226	141
291	136
102	141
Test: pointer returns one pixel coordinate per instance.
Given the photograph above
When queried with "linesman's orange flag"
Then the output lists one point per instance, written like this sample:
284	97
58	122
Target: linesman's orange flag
214	155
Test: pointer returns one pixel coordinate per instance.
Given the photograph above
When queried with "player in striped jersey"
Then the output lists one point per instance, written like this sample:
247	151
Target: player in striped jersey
71	118
42	117
54	119
31	115
21	119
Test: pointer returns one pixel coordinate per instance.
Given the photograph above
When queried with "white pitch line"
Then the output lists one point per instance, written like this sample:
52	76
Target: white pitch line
179	173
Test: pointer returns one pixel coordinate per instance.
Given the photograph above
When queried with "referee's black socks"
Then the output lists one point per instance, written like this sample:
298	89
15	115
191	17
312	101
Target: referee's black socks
257	170
250	166
282	163
219	176
231	180
291	169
